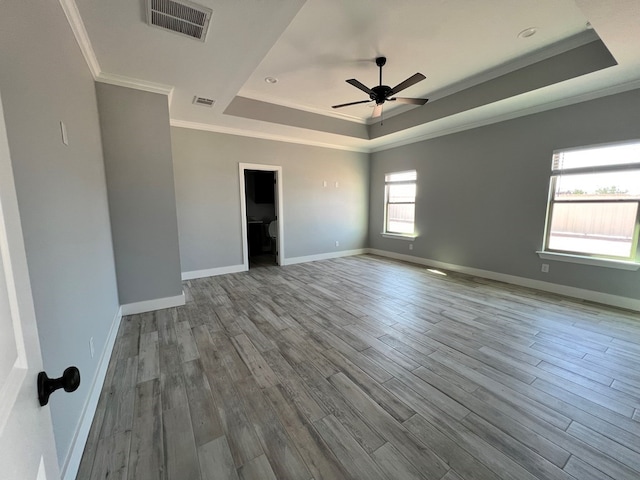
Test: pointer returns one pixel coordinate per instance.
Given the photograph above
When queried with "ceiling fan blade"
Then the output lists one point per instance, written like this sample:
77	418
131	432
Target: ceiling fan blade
359	85
412	101
412	80
351	103
377	111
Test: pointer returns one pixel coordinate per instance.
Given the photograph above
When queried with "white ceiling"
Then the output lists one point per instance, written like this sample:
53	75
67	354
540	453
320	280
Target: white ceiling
313	46
447	41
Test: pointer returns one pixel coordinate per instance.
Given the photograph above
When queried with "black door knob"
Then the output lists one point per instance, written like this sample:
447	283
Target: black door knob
70	381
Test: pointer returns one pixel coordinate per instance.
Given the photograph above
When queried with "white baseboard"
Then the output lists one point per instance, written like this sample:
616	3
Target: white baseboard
71	464
581	293
324	256
212	272
151	305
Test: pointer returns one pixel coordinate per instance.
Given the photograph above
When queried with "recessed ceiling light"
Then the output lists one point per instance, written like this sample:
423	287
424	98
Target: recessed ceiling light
528	32
271	80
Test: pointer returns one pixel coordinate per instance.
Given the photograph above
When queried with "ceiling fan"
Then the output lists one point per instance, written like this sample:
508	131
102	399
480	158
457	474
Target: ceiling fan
383	93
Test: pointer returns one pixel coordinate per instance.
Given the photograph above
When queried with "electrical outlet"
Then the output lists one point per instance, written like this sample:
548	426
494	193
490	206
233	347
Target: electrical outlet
337	184
337	243
545	268
91	347
324	184
411	246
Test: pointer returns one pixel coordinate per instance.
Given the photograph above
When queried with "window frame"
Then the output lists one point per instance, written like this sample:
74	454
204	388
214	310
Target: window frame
584	257
387	183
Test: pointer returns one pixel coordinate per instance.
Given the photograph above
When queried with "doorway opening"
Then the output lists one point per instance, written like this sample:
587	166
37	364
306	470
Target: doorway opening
261	205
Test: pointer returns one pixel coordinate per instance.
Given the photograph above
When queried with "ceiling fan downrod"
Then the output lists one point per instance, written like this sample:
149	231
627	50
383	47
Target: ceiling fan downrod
380	62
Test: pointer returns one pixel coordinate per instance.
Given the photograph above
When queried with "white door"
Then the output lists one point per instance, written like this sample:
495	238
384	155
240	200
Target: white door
27	448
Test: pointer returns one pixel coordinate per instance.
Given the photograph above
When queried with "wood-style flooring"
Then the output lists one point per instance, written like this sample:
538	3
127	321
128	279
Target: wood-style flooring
367	368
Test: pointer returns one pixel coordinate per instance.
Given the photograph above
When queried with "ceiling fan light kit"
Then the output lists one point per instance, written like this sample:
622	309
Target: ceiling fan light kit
383	93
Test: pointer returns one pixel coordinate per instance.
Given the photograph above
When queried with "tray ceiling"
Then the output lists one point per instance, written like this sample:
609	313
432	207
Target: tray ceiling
478	69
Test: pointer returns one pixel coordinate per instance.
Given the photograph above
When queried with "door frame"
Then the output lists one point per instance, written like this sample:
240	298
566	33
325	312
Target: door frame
278	200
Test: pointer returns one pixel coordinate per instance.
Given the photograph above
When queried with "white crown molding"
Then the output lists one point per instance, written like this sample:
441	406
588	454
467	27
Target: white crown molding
376	145
262	135
408	139
563	102
122	81
82	37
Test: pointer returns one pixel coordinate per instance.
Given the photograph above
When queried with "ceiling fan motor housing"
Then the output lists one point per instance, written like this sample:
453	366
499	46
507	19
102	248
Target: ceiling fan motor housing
380	93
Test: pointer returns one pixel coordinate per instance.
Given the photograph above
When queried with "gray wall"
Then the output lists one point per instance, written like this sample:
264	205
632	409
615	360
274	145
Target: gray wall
482	194
208	196
137	155
61	195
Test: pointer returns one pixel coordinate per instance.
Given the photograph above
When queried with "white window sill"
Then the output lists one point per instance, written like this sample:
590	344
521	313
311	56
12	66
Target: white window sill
399	236
598	262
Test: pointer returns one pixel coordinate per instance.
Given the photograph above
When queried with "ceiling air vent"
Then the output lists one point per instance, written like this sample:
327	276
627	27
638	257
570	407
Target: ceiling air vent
204	102
179	16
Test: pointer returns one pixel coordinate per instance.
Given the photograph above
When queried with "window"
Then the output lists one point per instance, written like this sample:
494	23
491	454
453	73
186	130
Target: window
594	202
400	202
